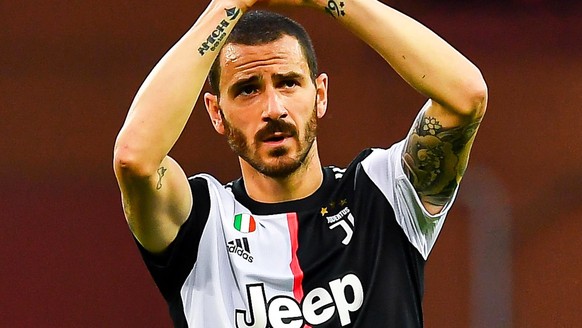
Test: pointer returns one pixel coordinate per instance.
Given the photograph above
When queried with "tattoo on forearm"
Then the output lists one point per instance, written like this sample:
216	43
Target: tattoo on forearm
334	9
435	158
161	171
213	40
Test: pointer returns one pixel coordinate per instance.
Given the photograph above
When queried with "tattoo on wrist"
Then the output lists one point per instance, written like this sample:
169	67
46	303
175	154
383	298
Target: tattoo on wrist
213	40
161	171
334	9
436	157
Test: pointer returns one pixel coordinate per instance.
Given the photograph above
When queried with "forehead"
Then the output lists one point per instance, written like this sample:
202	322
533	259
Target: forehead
240	61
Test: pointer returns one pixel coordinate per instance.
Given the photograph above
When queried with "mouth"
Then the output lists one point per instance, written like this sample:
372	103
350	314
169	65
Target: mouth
276	138
276	133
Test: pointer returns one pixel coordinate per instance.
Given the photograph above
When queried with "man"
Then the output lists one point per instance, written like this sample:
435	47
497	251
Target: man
292	244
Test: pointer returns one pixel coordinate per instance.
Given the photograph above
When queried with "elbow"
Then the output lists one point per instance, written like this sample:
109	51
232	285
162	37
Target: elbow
129	164
475	96
479	95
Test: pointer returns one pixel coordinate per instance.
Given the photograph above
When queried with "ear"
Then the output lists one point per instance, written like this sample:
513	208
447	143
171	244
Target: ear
213	109
321	94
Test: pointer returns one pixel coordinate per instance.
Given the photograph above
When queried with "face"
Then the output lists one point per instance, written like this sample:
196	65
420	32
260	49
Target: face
268	105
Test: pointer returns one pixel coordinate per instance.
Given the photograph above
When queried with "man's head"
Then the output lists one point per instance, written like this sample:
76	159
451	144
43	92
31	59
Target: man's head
261	27
268	95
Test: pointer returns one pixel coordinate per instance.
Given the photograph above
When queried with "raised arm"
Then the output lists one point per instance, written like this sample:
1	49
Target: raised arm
439	142
155	191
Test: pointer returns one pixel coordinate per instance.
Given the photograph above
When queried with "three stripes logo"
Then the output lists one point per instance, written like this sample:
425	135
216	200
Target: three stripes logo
240	247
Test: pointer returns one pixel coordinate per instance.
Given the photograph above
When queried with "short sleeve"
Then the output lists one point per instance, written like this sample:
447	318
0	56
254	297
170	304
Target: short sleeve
384	167
171	268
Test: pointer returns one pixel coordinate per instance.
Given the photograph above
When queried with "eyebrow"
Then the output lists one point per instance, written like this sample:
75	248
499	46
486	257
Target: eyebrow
233	89
287	76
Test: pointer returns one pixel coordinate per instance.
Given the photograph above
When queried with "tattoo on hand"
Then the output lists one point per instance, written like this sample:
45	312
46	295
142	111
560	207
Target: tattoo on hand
161	171
334	10
435	158
212	42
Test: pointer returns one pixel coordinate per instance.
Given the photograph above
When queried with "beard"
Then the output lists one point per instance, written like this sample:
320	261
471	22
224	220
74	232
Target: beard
282	162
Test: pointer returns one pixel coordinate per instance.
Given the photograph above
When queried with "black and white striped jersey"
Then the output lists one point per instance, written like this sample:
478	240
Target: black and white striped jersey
350	255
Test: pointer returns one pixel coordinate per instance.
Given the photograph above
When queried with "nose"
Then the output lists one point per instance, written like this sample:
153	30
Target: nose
275	109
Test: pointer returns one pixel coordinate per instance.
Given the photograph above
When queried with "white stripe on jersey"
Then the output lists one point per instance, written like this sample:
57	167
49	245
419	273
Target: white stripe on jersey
217	286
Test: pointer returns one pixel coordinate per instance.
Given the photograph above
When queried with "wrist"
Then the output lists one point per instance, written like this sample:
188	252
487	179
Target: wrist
243	5
335	8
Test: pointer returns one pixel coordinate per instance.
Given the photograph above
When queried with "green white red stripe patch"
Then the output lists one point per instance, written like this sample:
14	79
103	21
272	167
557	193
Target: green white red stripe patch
244	223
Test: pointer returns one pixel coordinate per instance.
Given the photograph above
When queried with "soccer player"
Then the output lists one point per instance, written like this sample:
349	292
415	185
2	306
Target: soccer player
293	243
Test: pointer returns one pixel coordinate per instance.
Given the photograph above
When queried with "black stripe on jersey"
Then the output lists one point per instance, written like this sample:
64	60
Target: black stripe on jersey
389	267
170	269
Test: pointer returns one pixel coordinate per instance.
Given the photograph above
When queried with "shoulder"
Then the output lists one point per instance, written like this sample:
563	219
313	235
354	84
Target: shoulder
379	167
203	183
377	161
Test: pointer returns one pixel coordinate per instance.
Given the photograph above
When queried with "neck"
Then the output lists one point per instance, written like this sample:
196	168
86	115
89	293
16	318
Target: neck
300	184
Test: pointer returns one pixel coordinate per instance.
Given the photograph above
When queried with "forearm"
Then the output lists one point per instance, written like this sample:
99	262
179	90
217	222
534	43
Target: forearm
165	100
422	58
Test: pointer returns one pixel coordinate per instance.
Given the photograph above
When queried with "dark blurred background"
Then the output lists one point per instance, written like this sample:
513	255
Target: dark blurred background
509	255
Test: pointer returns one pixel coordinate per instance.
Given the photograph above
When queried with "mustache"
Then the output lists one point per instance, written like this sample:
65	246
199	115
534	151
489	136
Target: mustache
274	126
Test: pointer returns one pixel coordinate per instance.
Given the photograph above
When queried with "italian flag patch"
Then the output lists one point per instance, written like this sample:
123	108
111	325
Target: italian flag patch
244	223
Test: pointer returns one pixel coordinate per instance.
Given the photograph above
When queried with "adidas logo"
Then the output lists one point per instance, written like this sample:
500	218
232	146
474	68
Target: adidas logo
240	247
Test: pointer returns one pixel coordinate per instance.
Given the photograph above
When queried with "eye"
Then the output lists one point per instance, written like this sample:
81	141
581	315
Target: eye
289	83
247	90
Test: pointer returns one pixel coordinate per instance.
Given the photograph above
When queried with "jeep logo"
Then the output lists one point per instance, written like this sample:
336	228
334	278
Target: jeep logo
317	307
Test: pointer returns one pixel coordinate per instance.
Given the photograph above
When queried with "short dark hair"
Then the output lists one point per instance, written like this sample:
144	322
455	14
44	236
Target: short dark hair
259	27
